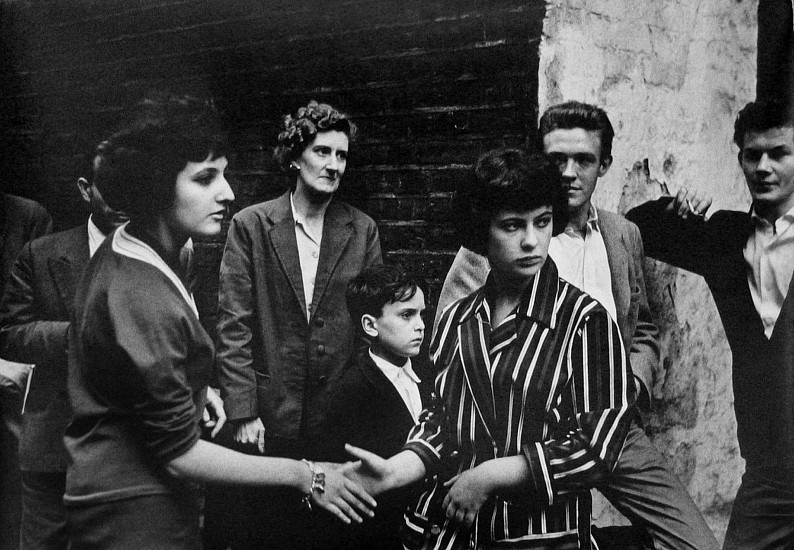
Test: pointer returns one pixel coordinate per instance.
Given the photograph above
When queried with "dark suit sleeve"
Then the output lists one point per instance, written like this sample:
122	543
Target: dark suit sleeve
24	336
685	243
40	223
644	352
236	318
339	424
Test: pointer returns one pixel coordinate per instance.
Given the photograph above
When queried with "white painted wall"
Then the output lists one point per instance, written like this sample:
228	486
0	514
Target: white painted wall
671	74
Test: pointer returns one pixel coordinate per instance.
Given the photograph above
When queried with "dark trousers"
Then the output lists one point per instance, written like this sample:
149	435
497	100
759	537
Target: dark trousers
151	522
10	487
644	490
43	513
762	517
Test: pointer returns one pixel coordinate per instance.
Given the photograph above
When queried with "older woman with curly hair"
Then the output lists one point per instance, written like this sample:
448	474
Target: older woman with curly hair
284	333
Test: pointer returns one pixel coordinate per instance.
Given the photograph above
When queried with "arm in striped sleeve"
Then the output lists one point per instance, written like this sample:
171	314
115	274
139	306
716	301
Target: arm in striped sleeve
600	409
428	438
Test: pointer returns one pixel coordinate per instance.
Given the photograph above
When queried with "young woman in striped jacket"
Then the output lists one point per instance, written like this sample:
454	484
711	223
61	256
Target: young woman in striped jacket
534	393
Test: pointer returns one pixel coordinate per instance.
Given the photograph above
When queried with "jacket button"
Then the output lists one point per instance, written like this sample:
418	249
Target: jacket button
322	380
319	322
435	529
320	349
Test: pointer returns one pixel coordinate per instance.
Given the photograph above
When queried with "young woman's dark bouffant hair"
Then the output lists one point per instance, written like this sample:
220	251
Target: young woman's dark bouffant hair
507	179
299	129
138	165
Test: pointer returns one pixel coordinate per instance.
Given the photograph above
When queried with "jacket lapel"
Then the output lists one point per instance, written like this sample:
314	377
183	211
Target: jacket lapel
285	245
337	230
379	383
786	315
66	268
618	260
476	363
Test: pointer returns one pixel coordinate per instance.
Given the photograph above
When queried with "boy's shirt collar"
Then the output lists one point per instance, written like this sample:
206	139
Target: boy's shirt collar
393	371
404	380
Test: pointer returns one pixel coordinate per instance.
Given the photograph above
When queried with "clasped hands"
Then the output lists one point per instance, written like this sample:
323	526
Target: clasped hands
343	496
350	487
467	491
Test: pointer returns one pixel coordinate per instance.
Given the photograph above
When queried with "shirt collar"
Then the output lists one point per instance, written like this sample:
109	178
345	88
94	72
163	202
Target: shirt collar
95	236
392	371
592	223
295	214
538	301
593	220
300	220
759	221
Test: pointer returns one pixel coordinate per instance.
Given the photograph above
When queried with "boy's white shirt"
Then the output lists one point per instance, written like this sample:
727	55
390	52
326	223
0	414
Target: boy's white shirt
404	380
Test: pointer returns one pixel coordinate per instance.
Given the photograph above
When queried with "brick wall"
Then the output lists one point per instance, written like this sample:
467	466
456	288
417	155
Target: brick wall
431	84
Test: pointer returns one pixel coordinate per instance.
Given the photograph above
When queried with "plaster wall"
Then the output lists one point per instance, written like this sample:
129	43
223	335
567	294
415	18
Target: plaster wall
671	75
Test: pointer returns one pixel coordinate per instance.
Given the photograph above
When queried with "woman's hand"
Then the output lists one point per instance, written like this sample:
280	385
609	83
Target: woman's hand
214	415
377	475
369	471
343	497
251	432
467	493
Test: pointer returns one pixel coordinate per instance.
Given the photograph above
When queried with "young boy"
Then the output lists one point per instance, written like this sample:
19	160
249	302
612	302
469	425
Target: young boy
380	396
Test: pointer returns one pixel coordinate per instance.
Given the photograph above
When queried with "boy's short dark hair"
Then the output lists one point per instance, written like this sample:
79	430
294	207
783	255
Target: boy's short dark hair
759	116
575	114
507	179
377	286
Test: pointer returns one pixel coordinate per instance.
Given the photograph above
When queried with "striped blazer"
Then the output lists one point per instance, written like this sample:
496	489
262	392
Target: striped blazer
552	382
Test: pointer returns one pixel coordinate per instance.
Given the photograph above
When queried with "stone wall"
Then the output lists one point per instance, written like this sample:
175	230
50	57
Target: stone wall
432	84
672	75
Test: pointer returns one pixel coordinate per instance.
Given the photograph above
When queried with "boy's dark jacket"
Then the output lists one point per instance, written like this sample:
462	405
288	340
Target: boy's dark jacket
367	411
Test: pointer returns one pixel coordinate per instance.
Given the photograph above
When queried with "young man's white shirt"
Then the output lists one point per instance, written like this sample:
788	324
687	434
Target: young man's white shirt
582	260
769	253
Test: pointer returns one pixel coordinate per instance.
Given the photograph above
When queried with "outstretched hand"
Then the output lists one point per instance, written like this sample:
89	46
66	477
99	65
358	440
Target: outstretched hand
369	471
343	497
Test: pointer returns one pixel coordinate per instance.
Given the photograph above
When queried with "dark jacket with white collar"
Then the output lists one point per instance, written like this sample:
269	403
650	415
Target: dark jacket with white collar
763	369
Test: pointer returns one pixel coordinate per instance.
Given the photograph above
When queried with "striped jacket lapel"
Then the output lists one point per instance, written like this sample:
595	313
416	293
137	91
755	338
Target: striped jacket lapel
473	349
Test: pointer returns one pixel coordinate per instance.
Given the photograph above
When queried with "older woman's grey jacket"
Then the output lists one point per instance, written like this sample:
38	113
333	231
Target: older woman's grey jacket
272	361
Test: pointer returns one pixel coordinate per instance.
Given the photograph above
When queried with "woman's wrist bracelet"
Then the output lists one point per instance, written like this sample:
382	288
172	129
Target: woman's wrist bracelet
318	483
